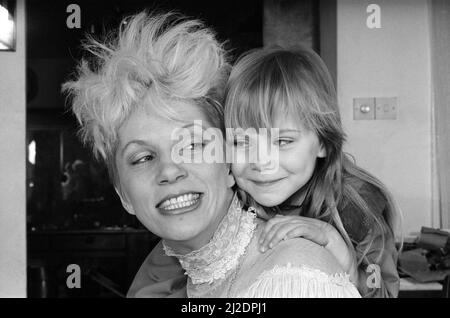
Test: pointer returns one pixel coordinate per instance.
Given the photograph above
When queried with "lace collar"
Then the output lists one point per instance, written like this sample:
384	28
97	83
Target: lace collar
212	261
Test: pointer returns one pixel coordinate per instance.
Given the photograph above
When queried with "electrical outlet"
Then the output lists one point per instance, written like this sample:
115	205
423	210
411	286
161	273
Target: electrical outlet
364	108
386	108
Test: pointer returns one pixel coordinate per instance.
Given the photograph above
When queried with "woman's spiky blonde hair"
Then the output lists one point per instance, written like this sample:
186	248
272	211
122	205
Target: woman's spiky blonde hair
152	60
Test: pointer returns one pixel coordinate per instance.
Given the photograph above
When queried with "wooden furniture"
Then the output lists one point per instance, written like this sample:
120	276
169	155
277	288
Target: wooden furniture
409	288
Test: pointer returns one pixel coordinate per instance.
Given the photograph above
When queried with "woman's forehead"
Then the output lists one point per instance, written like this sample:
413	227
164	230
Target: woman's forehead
150	122
178	112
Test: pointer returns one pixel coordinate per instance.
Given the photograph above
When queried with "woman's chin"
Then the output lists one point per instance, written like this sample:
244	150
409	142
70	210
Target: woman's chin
175	228
184	229
187	234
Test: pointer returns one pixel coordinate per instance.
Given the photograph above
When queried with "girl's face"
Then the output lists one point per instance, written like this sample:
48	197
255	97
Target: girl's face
272	183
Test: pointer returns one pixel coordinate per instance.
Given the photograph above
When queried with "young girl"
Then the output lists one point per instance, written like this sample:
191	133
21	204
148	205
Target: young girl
315	184
315	187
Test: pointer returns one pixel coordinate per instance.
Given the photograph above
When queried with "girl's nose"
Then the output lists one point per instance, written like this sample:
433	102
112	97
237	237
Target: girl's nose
266	161
265	165
262	163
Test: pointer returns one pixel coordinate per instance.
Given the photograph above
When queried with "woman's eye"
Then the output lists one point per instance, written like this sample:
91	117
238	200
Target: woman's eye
143	159
195	146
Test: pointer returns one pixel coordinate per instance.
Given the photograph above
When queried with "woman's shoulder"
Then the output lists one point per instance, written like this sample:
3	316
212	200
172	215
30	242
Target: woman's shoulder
303	253
296	252
289	270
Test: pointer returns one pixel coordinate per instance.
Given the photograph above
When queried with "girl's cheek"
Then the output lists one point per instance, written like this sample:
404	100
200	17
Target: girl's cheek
242	184
238	170
297	160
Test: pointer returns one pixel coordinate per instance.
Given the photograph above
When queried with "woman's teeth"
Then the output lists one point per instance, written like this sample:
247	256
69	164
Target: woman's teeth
181	201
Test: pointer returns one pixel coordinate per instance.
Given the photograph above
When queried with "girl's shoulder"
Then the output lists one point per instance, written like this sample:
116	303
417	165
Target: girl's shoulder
371	194
357	223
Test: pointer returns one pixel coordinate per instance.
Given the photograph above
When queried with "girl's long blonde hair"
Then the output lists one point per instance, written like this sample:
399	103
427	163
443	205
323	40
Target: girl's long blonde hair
268	82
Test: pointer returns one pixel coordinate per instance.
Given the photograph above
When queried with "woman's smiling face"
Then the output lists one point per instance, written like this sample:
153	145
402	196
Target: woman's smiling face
272	183
180	202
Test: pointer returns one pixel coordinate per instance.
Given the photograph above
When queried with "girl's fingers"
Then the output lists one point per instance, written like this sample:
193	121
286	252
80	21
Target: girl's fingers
273	225
311	233
280	234
286	227
279	231
264	243
269	225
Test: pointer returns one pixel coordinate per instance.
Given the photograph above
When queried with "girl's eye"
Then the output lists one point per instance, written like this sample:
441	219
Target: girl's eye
241	142
283	142
143	159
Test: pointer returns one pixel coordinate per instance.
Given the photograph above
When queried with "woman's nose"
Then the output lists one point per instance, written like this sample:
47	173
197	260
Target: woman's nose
170	172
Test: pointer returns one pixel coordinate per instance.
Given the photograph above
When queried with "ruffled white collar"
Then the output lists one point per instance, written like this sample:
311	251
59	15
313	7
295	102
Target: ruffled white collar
213	261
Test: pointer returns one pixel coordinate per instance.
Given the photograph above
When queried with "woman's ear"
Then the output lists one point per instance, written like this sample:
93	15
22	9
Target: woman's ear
322	153
126	205
230	177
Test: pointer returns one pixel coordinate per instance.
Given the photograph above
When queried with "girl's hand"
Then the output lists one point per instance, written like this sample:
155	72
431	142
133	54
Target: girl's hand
283	227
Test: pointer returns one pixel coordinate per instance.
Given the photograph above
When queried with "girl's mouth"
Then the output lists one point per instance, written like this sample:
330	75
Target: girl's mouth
266	183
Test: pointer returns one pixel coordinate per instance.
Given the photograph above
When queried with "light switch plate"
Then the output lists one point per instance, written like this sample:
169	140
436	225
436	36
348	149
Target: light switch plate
386	108
364	108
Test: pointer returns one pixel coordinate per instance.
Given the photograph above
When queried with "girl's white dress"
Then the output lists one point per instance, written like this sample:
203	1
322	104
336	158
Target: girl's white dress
230	265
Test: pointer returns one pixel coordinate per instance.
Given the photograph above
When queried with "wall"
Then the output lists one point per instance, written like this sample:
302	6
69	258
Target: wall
440	57
12	166
391	61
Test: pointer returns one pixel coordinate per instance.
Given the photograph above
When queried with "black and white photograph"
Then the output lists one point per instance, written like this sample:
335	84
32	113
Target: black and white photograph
238	150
